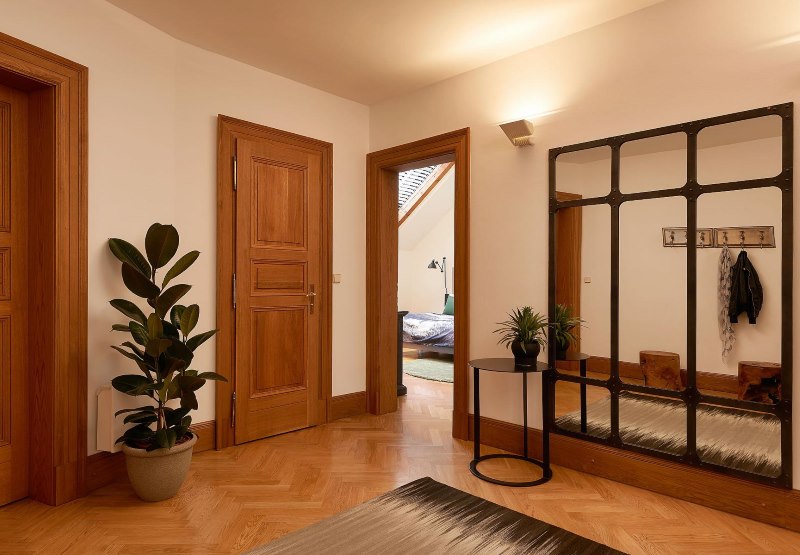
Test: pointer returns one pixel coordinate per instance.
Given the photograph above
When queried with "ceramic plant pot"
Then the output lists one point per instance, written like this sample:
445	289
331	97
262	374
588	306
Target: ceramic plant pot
157	475
527	356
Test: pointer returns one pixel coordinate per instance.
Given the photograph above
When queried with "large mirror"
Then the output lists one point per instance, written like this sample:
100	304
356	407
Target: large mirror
676	341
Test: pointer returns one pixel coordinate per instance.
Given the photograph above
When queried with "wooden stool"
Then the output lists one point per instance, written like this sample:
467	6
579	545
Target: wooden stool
759	381
661	369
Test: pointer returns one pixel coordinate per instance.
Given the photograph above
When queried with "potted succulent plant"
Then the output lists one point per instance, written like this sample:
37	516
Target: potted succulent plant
158	444
524	333
562	328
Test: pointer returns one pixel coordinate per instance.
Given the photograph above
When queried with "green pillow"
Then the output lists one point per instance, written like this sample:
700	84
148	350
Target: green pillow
449	308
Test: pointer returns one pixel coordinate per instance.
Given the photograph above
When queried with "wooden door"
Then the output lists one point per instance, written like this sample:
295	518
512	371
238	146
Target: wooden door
279	222
569	231
13	296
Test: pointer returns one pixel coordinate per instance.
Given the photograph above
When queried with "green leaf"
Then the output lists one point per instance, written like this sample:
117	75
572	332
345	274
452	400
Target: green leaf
134	348
180	351
169	297
188	319
120	327
180	266
125	353
161	244
190	383
128	254
129	309
139	333
212	376
157	346
140	432
188	400
197	340
144	417
146	408
155	329
138	284
174	417
175	315
170	330
131	384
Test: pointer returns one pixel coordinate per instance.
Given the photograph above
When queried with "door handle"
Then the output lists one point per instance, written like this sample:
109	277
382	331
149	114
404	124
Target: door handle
312	297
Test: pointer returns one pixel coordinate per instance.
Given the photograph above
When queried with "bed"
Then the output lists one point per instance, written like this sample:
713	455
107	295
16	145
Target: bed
428	331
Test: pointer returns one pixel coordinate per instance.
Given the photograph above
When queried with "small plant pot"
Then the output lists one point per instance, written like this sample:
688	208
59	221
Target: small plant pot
561	354
526	357
157	475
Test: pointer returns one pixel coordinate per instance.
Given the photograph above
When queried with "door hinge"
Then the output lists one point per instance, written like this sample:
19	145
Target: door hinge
235	173
234	291
233	409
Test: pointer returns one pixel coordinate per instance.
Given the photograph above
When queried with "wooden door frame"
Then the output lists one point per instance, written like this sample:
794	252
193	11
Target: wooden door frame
575	245
58	374
381	335
228	129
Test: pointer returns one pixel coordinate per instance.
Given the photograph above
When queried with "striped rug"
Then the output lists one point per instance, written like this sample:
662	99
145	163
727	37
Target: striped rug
428	517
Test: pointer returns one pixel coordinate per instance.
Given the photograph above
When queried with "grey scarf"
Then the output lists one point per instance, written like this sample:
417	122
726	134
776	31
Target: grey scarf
724	295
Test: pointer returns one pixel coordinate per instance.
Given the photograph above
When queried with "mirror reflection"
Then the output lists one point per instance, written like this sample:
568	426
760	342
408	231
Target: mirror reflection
583	409
653	163
652	295
748	149
585	173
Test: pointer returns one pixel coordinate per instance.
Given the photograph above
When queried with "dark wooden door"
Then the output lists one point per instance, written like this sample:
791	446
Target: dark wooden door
569	229
279	222
13	296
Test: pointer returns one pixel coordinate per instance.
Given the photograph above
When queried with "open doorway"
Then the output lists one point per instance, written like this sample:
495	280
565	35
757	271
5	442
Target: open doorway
384	339
425	277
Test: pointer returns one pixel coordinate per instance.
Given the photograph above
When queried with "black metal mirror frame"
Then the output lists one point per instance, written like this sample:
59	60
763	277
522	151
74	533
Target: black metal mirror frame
691	191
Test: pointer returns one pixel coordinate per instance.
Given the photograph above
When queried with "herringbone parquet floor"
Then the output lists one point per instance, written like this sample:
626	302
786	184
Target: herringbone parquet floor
245	496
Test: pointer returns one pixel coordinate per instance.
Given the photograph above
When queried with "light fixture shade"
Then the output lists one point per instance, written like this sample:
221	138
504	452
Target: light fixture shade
432	265
519	132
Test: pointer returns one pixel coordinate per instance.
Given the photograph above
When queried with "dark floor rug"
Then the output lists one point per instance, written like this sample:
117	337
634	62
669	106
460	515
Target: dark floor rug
429	369
431	518
734	438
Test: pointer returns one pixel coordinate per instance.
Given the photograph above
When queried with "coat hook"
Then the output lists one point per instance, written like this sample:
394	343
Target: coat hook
762	238
702	238
741	238
671	237
725	238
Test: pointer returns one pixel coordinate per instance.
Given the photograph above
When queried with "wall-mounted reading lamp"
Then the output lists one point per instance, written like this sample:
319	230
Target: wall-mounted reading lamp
519	132
442	268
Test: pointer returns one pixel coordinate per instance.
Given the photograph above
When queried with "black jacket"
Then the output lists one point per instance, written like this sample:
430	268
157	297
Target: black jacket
746	293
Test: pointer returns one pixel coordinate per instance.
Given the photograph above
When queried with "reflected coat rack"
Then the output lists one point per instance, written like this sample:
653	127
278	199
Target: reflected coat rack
762	237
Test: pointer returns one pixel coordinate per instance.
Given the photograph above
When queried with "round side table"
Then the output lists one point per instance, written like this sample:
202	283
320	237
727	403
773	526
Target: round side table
508	365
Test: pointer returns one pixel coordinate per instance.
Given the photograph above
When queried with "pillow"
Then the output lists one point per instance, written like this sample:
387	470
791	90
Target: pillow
449	306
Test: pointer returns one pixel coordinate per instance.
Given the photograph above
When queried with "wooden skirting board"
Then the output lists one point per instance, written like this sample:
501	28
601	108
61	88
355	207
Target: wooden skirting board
351	404
775	506
707	381
105	468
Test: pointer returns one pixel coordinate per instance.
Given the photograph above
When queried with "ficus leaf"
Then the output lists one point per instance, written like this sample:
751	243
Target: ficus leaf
137	283
125	353
129	309
129	254
157	346
155	329
138	332
120	327
140	409
169	297
188	319
180	351
175	315
132	384
212	376
195	341
180	266
161	244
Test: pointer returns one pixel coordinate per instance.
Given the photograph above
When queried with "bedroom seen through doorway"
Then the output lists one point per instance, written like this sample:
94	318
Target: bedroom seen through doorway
426	288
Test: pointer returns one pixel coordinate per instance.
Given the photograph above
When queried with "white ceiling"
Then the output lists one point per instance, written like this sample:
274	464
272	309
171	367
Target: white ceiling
370	50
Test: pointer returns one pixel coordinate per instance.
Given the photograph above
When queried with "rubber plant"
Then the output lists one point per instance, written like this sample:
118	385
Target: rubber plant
162	344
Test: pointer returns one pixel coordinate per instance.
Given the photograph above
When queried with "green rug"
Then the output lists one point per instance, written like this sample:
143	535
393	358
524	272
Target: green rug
429	369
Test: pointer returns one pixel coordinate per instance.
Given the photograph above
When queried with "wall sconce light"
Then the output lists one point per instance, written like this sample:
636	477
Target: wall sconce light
519	132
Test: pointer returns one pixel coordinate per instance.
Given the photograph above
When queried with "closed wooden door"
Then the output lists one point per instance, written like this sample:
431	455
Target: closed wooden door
279	222
13	296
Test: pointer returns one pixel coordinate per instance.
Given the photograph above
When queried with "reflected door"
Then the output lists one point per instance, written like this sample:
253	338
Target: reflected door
278	269
13	296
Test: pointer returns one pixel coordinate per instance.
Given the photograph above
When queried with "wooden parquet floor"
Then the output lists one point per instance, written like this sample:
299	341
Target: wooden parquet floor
247	495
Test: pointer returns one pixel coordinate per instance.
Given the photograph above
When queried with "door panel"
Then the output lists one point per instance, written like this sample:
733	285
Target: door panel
278	273
13	296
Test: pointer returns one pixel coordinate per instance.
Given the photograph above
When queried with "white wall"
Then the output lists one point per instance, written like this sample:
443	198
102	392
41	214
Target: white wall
676	61
428	233
153	103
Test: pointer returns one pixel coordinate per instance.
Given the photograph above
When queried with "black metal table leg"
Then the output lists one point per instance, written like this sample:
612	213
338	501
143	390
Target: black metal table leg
544	464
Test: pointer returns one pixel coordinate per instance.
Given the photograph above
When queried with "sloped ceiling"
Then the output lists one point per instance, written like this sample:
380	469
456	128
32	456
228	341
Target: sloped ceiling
370	50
